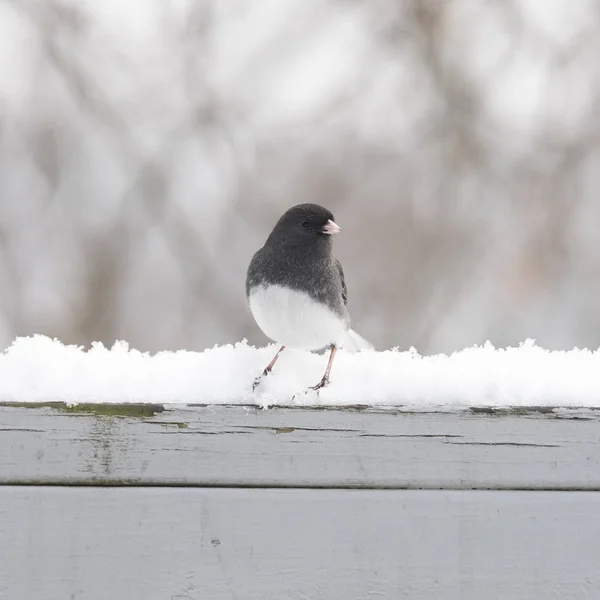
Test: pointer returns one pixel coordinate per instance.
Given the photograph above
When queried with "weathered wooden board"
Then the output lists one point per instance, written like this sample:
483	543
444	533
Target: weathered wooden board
235	544
283	447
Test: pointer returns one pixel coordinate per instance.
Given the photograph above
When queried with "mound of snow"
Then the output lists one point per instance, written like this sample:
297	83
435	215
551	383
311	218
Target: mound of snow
39	369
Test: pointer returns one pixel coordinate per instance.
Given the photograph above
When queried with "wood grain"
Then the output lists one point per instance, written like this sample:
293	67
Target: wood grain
239	544
551	449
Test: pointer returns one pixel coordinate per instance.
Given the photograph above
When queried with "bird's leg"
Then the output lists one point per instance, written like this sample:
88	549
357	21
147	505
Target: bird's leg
325	379
268	369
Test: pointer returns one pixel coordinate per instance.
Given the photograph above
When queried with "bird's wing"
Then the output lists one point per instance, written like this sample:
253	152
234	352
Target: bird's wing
338	264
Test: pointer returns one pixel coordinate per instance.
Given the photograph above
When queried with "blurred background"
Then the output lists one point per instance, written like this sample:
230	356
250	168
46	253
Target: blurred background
148	147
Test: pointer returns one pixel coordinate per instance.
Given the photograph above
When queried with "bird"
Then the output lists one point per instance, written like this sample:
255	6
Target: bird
296	288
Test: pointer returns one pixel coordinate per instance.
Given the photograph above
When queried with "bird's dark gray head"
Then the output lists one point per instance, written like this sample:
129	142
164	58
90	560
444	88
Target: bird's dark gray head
304	224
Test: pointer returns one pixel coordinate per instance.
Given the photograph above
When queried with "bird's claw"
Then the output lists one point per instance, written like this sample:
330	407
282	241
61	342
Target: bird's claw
259	379
313	388
321	384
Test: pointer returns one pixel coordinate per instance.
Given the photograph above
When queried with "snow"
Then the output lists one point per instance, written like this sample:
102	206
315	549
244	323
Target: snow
40	369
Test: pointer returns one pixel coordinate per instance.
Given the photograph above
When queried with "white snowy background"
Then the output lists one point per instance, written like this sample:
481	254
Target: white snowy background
146	148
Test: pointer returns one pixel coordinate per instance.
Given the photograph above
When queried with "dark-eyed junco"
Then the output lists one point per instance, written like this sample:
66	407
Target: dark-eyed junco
296	287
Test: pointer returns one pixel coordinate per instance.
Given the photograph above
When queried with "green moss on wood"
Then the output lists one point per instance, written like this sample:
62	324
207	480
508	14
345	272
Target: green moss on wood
280	430
88	408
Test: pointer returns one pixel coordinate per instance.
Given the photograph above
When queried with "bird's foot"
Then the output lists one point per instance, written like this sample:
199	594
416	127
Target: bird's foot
313	388
258	380
321	384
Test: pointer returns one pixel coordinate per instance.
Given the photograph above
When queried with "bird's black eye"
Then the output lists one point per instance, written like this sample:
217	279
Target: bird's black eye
305	224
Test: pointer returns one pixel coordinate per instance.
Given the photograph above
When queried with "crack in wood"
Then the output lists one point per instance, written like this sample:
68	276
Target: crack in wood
517	444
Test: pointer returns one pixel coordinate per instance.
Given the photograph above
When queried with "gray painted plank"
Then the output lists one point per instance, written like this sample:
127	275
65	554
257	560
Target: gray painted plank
233	544
237	446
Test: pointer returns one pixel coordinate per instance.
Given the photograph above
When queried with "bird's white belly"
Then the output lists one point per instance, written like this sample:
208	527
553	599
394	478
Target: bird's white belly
294	319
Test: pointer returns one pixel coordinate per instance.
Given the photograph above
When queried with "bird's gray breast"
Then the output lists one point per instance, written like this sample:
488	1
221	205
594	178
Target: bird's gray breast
318	277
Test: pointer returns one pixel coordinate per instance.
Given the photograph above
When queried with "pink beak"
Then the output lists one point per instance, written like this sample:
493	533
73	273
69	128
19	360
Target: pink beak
330	228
